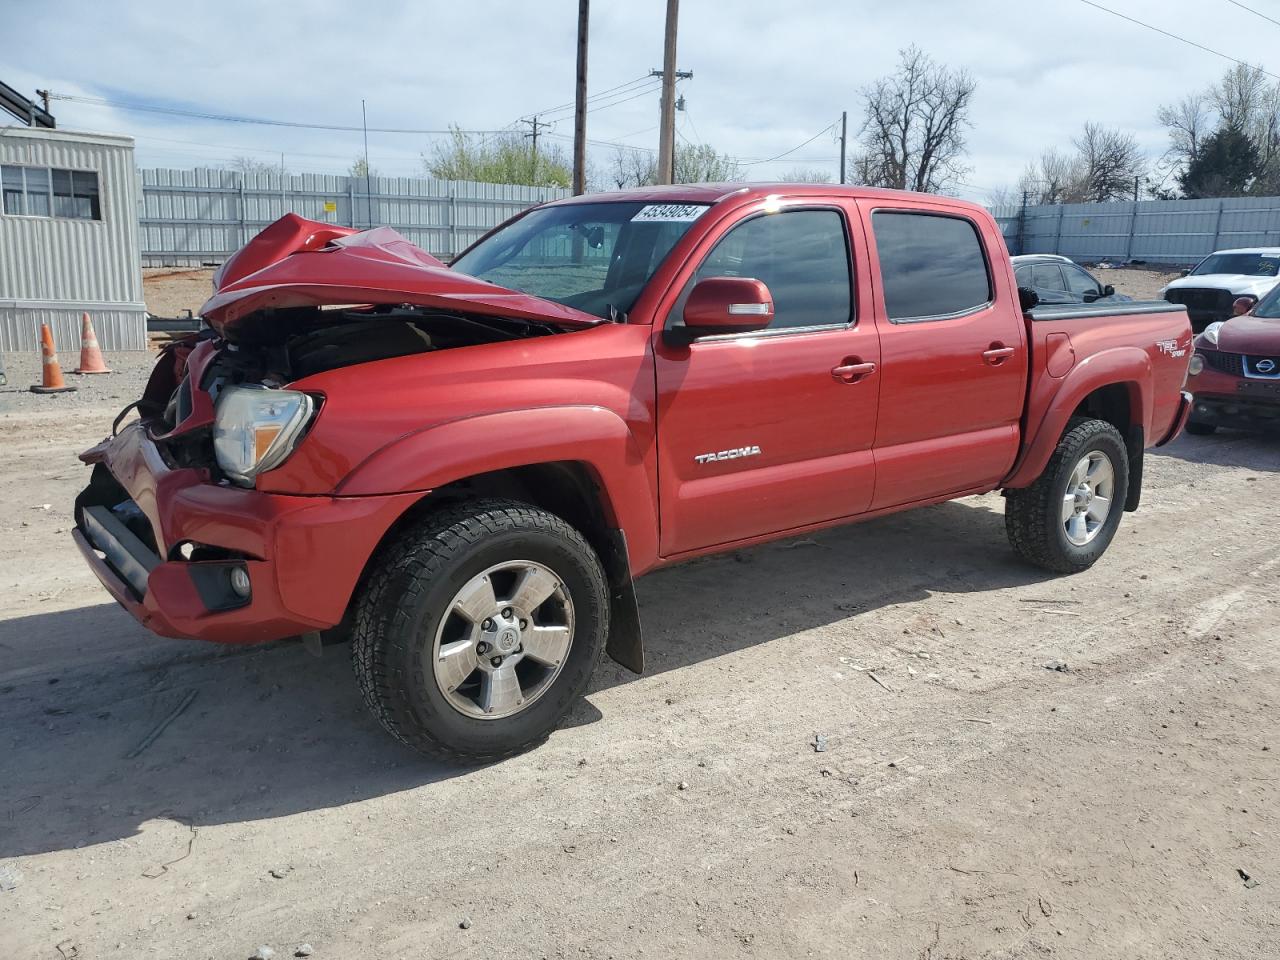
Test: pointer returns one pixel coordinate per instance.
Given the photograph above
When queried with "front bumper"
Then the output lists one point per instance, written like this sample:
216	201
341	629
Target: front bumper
1226	400
303	554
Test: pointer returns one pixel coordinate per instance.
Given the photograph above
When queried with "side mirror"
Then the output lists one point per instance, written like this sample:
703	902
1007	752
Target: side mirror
1108	291
1184	272
1242	305
1028	299
720	305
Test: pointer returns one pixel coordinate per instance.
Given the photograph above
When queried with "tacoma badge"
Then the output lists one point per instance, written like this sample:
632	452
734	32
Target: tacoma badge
736	453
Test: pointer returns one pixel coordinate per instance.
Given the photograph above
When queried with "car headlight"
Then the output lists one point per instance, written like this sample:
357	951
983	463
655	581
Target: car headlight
1210	333
1196	364
255	428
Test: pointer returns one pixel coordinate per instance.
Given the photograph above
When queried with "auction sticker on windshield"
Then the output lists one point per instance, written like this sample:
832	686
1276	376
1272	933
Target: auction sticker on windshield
669	213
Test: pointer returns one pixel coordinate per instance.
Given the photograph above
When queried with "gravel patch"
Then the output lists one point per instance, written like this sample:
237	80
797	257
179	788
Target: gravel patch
130	370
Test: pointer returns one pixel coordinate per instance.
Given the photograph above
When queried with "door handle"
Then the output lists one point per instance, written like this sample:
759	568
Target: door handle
998	354
852	370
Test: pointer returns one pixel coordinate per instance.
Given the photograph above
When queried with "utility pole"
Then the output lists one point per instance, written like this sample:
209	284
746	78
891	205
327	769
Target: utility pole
844	136
580	103
368	188
671	152
44	97
534	126
1135	189
1022	223
667	132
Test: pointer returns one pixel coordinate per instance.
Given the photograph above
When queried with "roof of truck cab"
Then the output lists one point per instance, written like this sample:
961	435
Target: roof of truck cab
715	192
1265	251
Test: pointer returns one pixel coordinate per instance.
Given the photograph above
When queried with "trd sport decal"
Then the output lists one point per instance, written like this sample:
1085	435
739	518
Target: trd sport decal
736	453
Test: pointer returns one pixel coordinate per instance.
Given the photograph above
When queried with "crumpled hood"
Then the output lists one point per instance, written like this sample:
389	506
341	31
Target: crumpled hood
297	262
1255	335
1238	283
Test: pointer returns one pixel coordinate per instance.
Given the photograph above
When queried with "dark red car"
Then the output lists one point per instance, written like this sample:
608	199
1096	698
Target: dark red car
462	470
1235	373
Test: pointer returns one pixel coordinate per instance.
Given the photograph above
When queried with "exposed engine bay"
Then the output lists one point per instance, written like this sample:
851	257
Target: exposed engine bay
280	346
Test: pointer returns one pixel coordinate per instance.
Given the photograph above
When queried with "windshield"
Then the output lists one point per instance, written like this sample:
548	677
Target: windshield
594	257
1268	308
1249	264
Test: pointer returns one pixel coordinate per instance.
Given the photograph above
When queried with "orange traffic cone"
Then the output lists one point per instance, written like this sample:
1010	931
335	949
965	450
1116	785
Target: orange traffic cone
52	377
90	355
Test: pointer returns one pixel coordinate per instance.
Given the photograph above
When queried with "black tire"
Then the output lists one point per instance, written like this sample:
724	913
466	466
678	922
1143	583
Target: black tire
1032	516
409	588
1200	429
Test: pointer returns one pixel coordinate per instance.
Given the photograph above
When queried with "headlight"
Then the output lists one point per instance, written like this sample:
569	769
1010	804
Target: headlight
255	429
1211	333
1196	364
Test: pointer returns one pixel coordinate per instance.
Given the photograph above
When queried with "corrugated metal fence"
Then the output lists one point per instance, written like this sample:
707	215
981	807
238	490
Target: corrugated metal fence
193	217
1155	231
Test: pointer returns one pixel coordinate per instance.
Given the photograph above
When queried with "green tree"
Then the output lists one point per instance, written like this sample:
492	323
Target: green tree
1226	165
504	158
360	168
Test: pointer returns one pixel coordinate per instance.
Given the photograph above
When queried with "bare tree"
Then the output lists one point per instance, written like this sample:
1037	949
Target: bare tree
1110	161
805	175
913	135
1054	178
244	164
1188	122
631	167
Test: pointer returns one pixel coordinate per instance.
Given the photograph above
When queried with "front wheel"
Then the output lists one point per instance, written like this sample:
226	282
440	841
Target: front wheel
1066	519
479	628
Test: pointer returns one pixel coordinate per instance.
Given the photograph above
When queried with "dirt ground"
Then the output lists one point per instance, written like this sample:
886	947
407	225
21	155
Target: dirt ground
1141	283
168	291
970	802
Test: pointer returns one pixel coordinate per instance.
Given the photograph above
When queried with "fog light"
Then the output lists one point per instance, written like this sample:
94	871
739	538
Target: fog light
240	581
1196	365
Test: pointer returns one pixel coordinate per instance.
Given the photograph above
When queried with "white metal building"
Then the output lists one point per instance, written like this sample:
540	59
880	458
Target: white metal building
69	239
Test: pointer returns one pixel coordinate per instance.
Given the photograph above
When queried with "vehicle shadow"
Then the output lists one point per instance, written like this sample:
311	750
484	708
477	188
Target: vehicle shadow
1227	448
265	732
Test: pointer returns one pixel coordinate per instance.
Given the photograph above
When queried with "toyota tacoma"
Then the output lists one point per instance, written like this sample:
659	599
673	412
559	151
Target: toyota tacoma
462	469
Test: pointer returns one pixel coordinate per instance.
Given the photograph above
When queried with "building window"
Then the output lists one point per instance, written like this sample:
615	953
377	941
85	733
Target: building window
50	192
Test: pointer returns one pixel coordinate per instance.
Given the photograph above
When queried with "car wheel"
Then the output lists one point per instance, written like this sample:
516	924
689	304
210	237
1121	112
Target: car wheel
1200	429
479	628
1067	518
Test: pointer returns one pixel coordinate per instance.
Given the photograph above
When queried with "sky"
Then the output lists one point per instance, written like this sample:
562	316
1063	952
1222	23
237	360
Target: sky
767	76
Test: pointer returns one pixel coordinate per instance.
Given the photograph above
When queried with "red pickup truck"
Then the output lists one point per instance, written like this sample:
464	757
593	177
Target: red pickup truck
462	469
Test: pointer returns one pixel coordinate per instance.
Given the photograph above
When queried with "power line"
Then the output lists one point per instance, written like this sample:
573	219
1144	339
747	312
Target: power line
1254	12
787	153
1174	36
231	118
595	96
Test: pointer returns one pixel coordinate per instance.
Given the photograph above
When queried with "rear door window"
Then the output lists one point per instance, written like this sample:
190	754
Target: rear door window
1047	276
931	266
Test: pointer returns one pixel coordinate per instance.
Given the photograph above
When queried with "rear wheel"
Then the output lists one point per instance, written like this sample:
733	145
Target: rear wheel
1065	520
479	629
